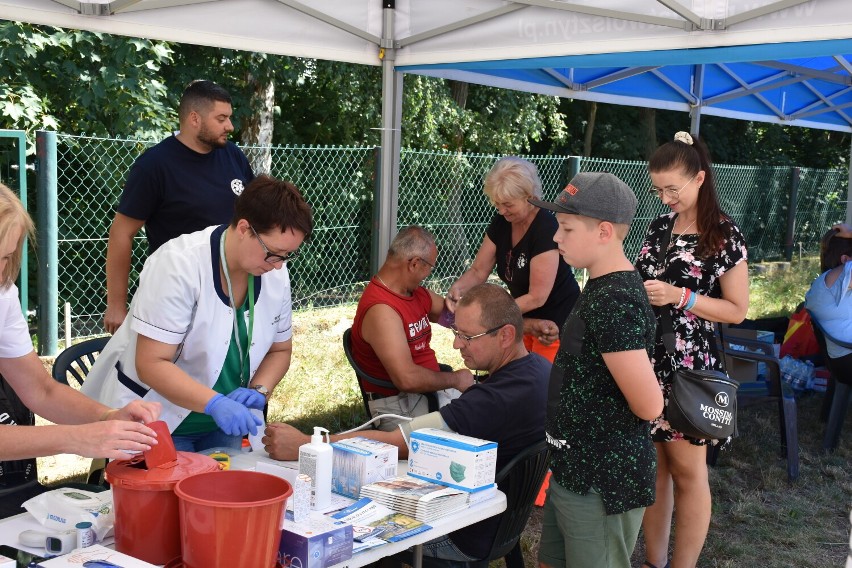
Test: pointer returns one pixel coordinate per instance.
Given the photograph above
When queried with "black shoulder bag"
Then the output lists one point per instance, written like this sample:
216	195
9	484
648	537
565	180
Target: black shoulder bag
702	403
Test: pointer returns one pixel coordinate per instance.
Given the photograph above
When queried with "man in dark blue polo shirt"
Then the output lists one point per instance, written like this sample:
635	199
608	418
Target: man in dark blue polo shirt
186	183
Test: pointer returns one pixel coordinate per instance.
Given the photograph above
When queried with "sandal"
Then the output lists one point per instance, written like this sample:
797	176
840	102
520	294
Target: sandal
649	565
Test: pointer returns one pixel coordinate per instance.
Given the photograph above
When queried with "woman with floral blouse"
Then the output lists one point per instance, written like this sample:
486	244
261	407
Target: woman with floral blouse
702	279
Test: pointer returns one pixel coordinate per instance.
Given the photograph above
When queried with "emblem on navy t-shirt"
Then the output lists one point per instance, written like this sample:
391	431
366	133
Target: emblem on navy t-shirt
237	186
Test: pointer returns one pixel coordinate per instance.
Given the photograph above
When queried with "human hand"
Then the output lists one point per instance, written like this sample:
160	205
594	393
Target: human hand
844	230
136	411
545	331
661	293
248	397
452	298
111	439
282	441
232	417
114	317
464	379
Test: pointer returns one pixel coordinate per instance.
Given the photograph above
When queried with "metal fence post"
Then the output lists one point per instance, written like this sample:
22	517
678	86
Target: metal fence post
573	166
795	174
48	239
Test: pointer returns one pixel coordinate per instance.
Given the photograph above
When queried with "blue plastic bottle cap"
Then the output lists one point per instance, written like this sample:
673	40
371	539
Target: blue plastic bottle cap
83	525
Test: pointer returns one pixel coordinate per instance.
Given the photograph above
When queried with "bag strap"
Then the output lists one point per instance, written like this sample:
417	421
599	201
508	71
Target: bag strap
668	335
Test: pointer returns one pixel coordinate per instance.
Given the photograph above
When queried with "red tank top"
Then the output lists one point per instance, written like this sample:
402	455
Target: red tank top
414	311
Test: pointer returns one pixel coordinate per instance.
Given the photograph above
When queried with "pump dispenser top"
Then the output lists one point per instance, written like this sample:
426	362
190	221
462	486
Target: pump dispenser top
317	437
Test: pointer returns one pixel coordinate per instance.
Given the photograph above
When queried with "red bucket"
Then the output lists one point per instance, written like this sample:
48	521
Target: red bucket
231	519
146	507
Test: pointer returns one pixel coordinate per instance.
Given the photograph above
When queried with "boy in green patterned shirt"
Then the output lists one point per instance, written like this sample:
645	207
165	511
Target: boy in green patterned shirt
603	391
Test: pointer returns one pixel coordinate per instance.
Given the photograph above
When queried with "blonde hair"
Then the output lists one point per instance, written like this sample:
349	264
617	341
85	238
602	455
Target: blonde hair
13	216
512	178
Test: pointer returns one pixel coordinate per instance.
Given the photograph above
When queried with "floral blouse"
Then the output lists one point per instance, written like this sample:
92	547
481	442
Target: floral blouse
693	335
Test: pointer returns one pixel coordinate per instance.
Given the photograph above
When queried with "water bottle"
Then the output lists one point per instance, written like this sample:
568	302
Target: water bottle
788	367
800	378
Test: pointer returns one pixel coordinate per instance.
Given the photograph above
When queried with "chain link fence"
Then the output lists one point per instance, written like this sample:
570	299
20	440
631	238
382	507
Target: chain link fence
439	190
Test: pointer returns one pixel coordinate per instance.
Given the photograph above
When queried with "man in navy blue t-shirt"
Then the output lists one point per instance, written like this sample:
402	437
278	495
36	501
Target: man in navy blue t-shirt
506	406
186	183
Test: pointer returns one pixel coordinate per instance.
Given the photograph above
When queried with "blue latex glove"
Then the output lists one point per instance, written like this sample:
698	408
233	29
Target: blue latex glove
232	417
248	397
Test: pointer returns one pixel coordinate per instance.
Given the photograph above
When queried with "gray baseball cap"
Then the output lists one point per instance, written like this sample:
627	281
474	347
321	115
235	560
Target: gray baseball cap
598	195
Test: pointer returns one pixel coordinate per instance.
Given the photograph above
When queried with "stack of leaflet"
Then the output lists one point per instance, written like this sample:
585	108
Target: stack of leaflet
420	499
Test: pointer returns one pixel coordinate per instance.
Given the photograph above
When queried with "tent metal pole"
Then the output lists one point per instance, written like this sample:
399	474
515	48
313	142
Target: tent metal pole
697	90
387	196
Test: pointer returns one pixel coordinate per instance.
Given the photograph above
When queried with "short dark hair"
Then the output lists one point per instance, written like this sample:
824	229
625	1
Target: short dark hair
199	96
267	203
497	307
832	248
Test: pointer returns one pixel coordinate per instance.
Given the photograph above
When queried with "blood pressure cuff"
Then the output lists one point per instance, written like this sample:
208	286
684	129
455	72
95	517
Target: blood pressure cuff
431	420
14	473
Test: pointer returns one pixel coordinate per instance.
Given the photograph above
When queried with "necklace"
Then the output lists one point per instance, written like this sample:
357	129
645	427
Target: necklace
680	242
385	284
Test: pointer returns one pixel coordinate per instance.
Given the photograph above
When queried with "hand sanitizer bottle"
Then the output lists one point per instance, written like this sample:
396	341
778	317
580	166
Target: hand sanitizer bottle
315	461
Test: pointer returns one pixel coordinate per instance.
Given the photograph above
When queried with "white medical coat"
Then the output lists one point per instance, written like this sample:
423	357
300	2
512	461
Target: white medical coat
180	301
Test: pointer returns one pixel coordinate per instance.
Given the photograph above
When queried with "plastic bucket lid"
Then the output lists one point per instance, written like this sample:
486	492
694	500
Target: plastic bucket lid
231	518
132	473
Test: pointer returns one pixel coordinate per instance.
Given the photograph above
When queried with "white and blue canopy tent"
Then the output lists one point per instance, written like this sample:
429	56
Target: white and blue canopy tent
778	61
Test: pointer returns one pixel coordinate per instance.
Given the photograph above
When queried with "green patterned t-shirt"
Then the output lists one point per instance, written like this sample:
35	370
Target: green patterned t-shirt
609	448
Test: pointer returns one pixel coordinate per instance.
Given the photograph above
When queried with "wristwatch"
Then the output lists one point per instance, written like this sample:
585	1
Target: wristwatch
262	390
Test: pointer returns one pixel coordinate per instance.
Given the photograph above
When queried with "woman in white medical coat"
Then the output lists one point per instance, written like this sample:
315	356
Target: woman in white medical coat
209	330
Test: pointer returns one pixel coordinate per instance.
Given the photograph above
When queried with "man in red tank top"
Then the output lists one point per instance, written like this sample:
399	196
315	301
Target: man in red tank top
392	329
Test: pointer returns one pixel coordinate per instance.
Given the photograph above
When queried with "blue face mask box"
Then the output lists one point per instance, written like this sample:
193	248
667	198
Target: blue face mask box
451	459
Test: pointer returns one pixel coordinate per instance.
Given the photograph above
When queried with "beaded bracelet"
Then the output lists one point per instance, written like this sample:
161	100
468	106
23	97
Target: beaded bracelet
682	300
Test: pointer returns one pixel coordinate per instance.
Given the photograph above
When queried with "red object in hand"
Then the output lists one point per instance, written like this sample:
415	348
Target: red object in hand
163	455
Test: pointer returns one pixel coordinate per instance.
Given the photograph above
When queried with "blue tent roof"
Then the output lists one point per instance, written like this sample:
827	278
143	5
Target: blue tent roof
802	83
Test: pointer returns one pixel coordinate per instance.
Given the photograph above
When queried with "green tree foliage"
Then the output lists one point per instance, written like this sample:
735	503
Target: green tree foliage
340	104
82	82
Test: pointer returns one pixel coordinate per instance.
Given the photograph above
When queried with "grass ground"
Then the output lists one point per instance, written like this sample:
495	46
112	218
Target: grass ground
759	517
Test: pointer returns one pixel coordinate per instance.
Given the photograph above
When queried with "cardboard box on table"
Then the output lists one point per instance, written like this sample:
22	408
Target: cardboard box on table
315	543
451	459
360	461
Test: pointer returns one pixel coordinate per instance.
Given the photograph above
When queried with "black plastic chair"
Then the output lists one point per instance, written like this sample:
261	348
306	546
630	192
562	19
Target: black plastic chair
71	367
520	480
361	375
76	361
364	377
777	390
838	393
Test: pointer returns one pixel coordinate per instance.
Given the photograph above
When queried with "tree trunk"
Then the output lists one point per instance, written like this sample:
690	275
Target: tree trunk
459	90
455	244
257	130
648	118
590	130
